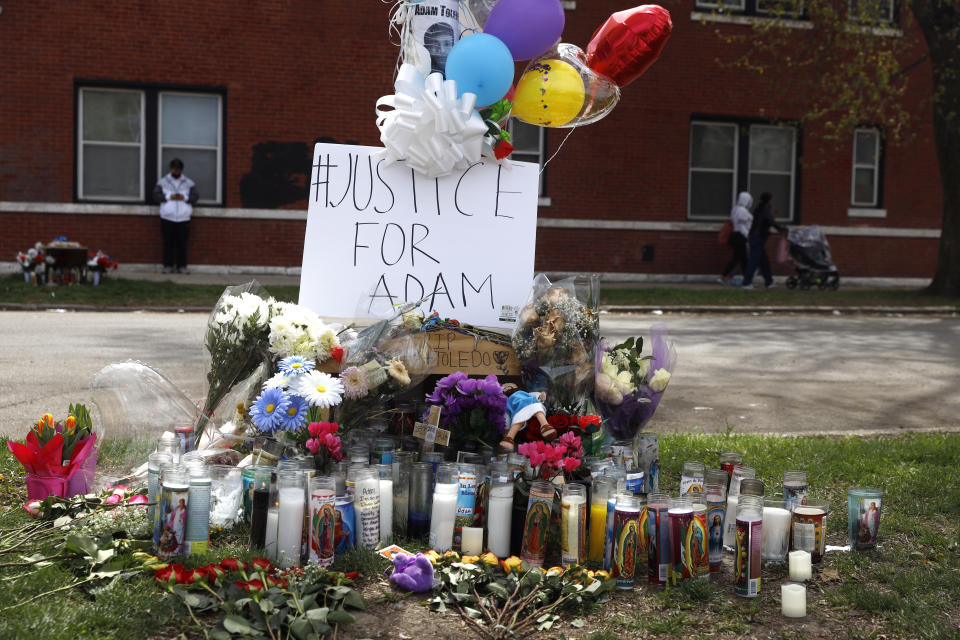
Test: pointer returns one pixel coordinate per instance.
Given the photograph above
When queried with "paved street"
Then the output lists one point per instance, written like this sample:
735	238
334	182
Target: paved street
773	373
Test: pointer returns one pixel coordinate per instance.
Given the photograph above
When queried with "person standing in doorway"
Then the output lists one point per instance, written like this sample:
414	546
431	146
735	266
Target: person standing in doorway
759	232
740	219
176	194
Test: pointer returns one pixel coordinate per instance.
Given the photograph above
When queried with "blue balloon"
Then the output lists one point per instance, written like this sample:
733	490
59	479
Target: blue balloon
481	64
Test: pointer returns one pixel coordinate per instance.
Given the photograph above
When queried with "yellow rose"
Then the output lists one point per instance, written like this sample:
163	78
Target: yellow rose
470	559
659	381
513	563
489	558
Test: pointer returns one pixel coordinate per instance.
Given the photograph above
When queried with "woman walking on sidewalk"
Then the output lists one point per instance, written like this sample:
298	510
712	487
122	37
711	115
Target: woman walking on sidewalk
759	232
741	219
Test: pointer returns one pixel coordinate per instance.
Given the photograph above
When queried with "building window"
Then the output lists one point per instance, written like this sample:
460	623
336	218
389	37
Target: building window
880	12
865	181
110	150
793	9
127	137
729	157
529	145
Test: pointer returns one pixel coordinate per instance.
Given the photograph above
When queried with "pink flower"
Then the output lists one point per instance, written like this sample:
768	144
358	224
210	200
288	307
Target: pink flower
571	441
569	464
313	444
554	453
529	449
137	499
119	489
114	499
33	508
317	429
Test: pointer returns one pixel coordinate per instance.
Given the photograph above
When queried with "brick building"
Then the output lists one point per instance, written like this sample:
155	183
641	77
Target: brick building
96	98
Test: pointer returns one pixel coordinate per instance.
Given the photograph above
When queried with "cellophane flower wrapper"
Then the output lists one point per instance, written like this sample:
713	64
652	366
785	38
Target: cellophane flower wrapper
623	420
236	342
385	360
556	338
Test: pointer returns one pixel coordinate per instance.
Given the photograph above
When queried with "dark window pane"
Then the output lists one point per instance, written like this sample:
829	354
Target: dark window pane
863	187
711	193
111	116
779	186
712	146
866	147
111	172
198	165
190	120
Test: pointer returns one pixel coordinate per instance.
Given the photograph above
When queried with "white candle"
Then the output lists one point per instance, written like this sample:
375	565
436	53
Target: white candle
499	519
574	515
444	514
270	540
289	525
730	521
472	543
794	600
368	509
386	510
800	566
776	534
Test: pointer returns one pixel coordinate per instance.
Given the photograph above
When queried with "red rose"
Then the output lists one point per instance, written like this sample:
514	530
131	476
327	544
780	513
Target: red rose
260	564
277	582
352	575
502	149
250	586
214	573
559	421
233	564
590	424
337	354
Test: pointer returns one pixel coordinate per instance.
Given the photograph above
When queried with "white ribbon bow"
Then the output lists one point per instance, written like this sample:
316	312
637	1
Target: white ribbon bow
429	127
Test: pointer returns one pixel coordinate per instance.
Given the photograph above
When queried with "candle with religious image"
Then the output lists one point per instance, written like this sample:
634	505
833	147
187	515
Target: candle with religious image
813	516
728	461
740	473
619	477
171	526
573	524
658	542
323	494
681	561
647	446
626	540
794	489
345	524
691	478
747	554
695	541
537	523
863	517
715	490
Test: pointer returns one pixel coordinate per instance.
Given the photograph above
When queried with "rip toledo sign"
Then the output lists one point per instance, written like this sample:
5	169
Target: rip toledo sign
380	234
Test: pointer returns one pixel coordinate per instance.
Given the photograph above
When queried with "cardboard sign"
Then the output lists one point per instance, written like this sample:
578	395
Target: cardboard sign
378	235
461	352
429	432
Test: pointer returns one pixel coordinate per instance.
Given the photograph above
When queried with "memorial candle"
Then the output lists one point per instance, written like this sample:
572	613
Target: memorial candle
800	567
626	540
658	544
367	505
323	493
811	515
270	534
444	507
500	510
573	524
794	489
716	497
154	463
681	517
421	497
747	554
598	516
472	541
695	540
691	478
385	472
776	530
537	523
291	494
793	600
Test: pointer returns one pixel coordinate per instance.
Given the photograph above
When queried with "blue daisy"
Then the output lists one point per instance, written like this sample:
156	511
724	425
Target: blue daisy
295	365
269	409
295	415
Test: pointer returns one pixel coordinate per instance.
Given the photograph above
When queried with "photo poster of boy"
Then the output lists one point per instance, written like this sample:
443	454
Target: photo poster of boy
436	25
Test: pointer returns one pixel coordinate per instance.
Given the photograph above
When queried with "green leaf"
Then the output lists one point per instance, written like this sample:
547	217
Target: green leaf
473	613
236	624
266	605
437	605
318	613
355	600
339	615
594	587
498	590
577	624
82	544
220	634
301	629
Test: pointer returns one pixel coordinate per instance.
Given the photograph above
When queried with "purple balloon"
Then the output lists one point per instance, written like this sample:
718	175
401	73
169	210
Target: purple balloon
527	27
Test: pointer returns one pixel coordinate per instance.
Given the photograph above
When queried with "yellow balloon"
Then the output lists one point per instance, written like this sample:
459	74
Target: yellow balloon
550	94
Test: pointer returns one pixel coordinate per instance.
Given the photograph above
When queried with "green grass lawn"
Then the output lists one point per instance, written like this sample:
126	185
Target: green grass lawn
907	588
124	292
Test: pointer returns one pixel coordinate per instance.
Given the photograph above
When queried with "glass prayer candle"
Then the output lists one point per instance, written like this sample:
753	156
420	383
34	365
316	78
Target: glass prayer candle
602	487
359	452
681	517
626	540
444	507
647	447
752	487
385	476
696	538
863	517
421	498
154	463
367	505
482	496
382	451
226	495
170	445
291	490
537	523
573	524
623	453
171	526
345	524
401	499
810	524
500	511
776	531
466	499
323	519
716	497
658	543
740	473
747	553
728	461
794	489
198	513
619	477
691	478
434	458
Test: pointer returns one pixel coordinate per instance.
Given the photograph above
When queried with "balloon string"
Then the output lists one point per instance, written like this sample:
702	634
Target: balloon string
544	167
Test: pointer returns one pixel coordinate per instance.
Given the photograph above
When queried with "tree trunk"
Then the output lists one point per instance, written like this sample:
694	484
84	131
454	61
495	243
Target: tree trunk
939	20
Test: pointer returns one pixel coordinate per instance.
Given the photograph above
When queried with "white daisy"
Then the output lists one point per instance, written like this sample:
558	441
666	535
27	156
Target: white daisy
278	381
318	388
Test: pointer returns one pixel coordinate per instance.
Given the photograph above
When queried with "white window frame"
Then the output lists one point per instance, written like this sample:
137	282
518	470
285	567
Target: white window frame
766	12
874	166
81	142
161	170
541	153
733	5
733	171
793	165
854	14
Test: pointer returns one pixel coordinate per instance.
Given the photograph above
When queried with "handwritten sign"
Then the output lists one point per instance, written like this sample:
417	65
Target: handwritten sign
430	432
460	352
379	234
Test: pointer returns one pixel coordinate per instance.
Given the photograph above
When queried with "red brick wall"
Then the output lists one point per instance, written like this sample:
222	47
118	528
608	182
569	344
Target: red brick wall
297	70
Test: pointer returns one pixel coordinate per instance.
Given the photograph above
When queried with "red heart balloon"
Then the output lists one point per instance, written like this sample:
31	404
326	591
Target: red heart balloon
629	42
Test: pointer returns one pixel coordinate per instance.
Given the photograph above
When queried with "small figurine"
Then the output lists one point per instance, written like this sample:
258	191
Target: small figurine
521	407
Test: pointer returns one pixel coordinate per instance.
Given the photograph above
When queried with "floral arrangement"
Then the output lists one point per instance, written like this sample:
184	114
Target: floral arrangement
473	410
101	262
56	452
260	600
555	340
548	461
30	259
298	331
629	385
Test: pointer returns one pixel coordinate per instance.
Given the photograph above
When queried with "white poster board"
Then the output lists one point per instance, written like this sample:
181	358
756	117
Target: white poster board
381	234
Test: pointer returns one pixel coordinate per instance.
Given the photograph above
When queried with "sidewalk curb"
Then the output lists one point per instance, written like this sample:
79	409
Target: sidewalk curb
650	309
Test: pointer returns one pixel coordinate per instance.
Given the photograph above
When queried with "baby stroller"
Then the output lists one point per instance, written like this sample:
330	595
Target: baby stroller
810	252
